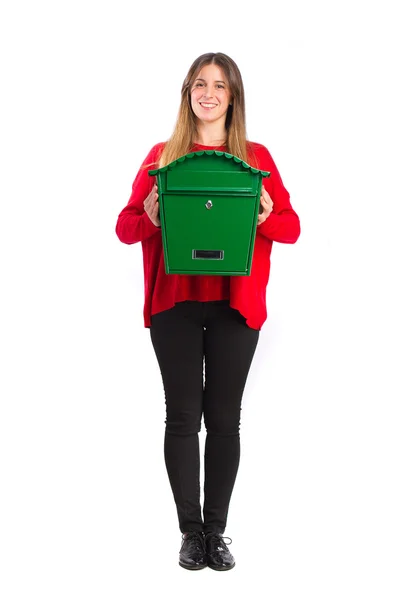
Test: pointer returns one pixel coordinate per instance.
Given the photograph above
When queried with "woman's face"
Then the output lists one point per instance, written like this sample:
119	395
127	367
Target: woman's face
210	95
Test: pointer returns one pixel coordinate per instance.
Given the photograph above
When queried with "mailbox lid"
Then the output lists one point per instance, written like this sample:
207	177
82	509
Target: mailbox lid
223	181
209	170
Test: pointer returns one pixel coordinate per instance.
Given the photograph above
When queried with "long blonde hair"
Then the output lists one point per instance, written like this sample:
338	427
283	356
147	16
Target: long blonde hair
184	134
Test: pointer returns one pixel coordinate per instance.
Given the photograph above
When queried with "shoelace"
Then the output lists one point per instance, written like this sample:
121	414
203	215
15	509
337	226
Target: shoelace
219	542
195	539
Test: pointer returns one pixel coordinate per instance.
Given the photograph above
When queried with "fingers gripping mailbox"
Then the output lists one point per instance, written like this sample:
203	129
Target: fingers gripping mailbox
209	204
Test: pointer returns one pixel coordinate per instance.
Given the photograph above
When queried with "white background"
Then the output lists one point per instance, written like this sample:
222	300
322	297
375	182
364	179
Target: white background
86	509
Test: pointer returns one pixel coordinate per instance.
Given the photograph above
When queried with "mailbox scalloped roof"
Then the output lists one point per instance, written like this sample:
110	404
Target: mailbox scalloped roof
209	152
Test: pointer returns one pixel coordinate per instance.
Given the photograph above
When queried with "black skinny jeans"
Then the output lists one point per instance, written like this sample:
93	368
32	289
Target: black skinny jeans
183	337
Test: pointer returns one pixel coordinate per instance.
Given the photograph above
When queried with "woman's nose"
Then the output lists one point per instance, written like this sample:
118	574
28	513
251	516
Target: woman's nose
207	93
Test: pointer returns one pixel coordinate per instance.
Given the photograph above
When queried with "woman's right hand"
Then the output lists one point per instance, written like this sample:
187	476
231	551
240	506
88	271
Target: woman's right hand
151	206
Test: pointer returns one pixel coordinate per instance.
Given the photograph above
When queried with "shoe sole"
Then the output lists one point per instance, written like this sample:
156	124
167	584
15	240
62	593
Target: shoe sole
221	568
193	568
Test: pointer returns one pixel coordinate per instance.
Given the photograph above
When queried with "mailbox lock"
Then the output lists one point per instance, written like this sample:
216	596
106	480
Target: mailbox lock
208	204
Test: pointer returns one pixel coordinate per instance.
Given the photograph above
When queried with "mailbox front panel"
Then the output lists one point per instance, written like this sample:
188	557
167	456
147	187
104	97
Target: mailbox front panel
208	234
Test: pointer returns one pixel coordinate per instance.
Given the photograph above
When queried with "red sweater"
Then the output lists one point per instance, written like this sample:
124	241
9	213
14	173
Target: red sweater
247	294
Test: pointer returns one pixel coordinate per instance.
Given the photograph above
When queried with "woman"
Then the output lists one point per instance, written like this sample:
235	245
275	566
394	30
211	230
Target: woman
205	329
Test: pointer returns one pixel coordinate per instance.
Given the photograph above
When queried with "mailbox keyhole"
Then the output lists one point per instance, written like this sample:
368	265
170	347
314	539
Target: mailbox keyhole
208	204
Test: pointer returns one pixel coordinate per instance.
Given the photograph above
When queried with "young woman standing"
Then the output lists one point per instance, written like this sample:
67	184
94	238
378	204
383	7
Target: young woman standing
205	329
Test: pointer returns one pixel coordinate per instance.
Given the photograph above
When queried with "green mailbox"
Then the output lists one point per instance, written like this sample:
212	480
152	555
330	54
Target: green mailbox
209	203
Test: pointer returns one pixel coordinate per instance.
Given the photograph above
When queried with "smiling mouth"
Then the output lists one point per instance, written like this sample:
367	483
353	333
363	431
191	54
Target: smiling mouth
207	105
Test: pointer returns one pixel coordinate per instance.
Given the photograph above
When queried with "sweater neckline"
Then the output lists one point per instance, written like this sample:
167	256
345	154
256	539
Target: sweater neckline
209	147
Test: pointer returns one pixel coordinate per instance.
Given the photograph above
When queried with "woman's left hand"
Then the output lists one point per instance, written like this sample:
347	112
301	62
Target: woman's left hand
267	204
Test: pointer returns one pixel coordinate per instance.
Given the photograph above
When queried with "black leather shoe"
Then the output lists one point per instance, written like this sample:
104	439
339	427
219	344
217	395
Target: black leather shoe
192	554
218	555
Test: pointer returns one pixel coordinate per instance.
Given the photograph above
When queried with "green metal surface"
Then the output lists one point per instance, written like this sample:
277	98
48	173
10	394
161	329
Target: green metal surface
209	203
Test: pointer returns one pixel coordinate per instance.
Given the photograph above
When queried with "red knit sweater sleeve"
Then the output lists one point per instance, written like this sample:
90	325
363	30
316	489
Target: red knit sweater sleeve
283	224
133	224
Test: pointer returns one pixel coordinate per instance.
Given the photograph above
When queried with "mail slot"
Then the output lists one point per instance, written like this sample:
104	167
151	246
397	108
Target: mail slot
209	203
209	254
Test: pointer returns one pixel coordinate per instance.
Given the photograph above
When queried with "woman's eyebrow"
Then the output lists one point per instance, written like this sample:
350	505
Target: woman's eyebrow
216	81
